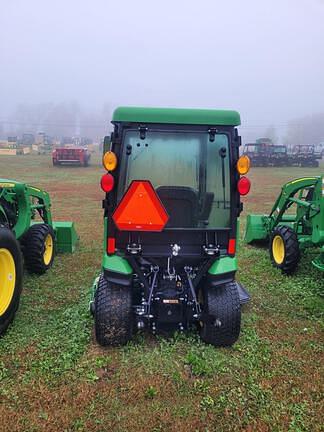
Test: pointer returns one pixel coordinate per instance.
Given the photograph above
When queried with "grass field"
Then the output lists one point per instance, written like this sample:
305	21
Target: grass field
54	377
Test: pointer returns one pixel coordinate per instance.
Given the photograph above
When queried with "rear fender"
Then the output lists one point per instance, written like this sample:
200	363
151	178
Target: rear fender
117	269
222	271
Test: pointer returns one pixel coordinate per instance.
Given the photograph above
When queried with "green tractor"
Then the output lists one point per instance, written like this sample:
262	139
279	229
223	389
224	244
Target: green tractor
295	222
305	156
259	152
27	235
278	156
172	201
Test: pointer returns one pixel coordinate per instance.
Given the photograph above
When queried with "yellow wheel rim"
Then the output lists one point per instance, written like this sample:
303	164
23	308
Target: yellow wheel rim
7	279
48	253
278	249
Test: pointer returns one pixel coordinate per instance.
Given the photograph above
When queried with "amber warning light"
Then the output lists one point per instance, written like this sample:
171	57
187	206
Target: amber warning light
140	209
109	161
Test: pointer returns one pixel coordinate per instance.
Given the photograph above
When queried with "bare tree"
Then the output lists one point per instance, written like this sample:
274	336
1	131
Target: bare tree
271	133
306	130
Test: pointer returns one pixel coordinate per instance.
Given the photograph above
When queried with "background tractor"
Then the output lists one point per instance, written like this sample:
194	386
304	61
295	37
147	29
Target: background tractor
27	234
258	153
173	186
264	153
278	155
304	156
295	222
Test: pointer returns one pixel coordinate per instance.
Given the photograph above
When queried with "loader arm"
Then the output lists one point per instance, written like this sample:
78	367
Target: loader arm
3	216
28	201
286	199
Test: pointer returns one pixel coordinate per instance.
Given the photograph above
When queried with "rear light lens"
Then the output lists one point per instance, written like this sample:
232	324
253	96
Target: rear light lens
244	186
109	161
243	165
231	246
107	182
111	245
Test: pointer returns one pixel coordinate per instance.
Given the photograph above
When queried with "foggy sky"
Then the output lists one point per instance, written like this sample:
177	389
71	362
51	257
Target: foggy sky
263	58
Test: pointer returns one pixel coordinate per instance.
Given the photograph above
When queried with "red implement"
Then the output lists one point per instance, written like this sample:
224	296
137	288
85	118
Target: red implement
71	156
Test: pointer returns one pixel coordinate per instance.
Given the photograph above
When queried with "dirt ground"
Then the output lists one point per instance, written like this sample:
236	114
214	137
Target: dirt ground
54	377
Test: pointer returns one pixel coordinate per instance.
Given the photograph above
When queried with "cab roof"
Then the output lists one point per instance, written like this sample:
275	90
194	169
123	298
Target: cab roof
187	116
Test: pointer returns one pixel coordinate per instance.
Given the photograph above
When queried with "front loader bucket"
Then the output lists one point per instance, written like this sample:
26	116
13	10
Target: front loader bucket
256	228
66	237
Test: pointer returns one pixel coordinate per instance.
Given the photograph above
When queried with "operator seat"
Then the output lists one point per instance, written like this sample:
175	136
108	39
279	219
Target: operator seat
181	204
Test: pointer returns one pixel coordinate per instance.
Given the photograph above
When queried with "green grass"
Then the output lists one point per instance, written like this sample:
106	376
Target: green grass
55	377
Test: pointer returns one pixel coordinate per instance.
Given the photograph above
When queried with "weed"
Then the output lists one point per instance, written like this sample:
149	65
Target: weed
150	392
207	402
55	377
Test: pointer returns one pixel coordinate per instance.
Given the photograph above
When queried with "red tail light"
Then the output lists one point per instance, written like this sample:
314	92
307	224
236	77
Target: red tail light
231	246
244	186
111	245
107	182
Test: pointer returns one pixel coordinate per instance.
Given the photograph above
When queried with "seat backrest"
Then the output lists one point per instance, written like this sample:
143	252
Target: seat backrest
207	204
181	203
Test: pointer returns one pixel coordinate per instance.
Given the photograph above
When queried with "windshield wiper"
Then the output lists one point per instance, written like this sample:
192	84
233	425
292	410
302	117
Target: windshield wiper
222	153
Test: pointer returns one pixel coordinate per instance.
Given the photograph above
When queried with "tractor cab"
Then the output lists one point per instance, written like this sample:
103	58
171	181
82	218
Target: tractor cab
172	201
279	149
305	156
258	153
278	155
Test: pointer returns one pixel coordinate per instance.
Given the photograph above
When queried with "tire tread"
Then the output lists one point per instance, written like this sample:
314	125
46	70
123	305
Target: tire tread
292	252
223	303
113	313
33	247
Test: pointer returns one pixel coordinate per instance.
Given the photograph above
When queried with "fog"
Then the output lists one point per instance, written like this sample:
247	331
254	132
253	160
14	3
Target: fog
265	59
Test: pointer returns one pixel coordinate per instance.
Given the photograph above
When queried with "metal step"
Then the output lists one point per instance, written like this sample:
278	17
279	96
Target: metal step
244	295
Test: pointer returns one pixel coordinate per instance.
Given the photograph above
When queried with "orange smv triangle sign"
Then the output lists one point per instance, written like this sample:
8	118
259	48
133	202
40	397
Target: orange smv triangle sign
140	209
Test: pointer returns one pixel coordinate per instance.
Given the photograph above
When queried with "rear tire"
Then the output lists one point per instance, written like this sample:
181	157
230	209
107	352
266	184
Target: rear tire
38	248
222	315
113	313
11	266
284	249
